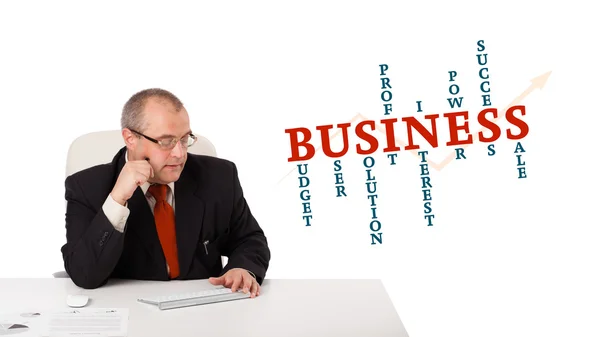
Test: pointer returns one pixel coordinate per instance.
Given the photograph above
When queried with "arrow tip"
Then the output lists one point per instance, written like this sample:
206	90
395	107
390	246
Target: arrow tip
541	80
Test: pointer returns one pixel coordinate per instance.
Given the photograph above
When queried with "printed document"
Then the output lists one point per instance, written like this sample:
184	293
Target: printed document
88	322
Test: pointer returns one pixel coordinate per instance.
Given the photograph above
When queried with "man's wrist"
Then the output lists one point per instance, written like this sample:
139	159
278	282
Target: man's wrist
116	213
117	199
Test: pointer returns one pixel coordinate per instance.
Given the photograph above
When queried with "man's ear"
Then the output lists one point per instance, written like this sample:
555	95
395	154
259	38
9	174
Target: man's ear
129	138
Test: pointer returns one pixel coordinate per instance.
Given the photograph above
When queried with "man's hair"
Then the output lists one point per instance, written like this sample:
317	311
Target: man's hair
132	115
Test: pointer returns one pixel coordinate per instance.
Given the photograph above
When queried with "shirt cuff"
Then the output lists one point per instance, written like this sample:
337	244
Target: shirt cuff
116	213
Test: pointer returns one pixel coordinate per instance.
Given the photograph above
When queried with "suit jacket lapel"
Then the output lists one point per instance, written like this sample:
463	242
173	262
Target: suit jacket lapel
189	215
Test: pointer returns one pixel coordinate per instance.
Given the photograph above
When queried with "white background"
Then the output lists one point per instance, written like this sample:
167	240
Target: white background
506	256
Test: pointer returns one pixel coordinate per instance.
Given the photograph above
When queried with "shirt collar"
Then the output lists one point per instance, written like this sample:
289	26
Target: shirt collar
146	185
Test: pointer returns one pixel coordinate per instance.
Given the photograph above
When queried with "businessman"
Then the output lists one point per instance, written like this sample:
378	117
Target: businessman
158	213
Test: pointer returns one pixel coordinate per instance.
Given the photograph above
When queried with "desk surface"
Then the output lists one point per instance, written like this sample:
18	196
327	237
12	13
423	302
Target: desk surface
284	307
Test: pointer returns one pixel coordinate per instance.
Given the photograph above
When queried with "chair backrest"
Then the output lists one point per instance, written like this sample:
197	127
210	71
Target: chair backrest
100	147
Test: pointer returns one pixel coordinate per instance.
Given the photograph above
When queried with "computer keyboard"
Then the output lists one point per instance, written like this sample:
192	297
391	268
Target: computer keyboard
194	298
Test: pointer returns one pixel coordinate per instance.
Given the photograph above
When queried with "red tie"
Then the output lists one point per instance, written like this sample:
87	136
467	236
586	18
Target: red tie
164	217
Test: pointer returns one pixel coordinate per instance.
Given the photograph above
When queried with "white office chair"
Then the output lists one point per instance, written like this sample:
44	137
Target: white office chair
100	147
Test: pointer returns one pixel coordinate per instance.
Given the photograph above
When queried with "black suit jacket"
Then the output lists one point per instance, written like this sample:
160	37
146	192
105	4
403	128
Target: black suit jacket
210	207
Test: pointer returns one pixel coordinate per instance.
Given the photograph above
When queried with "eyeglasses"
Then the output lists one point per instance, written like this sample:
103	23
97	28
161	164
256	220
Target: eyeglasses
169	143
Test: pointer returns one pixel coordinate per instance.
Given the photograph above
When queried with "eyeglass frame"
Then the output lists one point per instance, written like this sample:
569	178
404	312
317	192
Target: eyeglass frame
160	143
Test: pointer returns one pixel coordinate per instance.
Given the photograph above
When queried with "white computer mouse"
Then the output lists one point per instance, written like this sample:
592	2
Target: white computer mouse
77	301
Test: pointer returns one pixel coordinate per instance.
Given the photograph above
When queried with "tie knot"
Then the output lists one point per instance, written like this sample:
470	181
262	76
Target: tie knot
158	191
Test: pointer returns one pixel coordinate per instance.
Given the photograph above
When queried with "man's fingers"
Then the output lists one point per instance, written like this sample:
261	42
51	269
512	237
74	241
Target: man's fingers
247	283
229	281
134	174
145	170
148	169
140	178
237	280
216	280
254	289
142	167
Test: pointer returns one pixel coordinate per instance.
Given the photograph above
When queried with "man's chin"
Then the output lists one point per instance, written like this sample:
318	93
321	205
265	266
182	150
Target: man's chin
170	174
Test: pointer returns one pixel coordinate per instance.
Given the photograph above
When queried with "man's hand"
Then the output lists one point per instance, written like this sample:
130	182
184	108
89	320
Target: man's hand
237	278
134	174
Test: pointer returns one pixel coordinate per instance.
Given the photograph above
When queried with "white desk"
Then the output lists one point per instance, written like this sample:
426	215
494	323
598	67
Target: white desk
284	308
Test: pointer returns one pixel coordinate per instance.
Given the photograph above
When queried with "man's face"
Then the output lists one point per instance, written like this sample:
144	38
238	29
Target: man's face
162	123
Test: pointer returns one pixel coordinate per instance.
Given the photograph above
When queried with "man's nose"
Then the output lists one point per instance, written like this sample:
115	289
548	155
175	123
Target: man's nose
178	150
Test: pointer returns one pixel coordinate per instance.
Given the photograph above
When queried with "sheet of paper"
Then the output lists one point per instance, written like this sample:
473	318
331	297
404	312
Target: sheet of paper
94	322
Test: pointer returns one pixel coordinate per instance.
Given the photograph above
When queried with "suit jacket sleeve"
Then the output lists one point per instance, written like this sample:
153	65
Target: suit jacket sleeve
93	245
247	245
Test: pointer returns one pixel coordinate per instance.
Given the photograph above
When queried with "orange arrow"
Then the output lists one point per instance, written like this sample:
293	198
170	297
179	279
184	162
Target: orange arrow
537	82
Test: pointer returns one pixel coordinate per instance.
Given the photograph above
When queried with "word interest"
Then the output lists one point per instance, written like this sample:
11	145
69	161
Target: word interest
426	188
